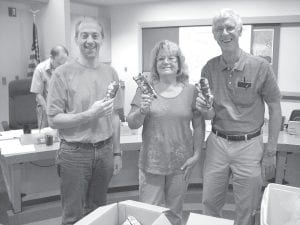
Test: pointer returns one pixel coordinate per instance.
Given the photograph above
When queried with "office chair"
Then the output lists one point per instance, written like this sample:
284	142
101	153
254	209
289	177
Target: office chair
296	118
295	115
22	105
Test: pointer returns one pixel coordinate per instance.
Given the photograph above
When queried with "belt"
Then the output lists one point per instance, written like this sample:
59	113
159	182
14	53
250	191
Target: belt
89	145
237	137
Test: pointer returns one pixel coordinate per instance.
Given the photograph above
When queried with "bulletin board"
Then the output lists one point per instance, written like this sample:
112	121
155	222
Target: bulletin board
150	36
196	42
283	51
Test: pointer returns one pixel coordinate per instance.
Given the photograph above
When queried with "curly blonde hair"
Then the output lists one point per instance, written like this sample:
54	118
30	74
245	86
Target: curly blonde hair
174	50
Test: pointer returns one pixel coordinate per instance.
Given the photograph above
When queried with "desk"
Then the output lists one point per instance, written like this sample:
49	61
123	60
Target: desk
286	144
14	164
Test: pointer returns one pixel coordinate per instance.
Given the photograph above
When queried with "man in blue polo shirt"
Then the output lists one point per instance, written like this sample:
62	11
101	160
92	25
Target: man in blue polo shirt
241	85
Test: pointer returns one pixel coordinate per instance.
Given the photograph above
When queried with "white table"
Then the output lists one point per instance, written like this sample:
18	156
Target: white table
14	162
17	161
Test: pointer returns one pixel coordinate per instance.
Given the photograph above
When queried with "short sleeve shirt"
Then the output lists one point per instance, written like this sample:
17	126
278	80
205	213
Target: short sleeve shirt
240	92
167	140
41	78
73	89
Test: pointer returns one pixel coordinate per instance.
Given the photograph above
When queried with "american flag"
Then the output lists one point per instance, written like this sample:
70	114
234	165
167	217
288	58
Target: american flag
35	52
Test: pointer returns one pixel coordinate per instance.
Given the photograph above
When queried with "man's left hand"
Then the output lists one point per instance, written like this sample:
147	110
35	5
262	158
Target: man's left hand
268	166
117	164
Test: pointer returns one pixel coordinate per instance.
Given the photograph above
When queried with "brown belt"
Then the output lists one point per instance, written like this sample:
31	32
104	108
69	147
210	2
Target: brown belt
237	137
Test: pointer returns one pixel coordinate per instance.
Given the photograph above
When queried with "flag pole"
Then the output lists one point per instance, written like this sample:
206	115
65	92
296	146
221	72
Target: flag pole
34	57
34	12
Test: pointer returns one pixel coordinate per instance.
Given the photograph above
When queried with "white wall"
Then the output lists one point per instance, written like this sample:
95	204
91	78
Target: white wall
53	24
52	20
77	11
289	78
102	15
54	27
15	44
126	36
67	14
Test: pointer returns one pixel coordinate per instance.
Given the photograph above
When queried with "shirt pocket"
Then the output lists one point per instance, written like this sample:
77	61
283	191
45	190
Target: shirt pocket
243	97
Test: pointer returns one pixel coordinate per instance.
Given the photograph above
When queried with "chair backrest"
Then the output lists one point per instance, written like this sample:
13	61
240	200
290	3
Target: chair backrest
295	115
22	104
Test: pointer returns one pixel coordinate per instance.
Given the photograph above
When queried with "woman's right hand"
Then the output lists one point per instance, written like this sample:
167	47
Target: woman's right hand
146	103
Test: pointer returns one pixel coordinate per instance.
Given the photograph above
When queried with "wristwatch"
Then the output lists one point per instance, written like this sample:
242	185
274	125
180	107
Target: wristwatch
118	154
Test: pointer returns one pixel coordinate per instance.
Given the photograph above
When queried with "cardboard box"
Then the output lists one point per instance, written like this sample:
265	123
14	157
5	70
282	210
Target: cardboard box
280	205
197	219
117	213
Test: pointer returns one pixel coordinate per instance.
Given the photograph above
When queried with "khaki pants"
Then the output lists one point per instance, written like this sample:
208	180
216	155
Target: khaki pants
164	190
242	161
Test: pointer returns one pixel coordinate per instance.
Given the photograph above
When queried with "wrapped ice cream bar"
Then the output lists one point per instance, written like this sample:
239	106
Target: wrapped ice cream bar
144	85
131	221
111	90
203	86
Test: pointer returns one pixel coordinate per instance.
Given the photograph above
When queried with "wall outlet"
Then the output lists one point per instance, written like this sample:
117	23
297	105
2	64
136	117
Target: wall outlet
3	81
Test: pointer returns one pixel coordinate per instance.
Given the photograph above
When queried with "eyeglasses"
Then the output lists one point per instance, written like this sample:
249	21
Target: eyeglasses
229	29
172	59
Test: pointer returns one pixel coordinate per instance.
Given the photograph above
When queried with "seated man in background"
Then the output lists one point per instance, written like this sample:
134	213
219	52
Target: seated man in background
41	78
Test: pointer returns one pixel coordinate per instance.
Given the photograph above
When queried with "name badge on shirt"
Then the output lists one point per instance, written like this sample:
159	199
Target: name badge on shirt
244	84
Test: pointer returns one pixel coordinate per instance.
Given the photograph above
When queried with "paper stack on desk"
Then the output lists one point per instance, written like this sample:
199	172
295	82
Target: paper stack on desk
11	134
294	128
14	147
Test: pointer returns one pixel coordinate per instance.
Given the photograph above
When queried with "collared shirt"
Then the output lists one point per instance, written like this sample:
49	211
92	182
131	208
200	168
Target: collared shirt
41	78
73	89
240	93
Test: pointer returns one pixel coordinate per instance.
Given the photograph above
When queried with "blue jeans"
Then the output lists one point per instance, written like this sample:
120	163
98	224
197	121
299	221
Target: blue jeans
85	172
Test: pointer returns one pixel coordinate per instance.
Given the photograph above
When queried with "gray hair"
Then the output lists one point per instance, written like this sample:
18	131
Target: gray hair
225	14
173	48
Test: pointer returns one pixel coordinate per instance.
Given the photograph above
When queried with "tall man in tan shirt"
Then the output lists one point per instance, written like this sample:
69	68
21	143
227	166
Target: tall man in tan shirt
241	84
88	125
